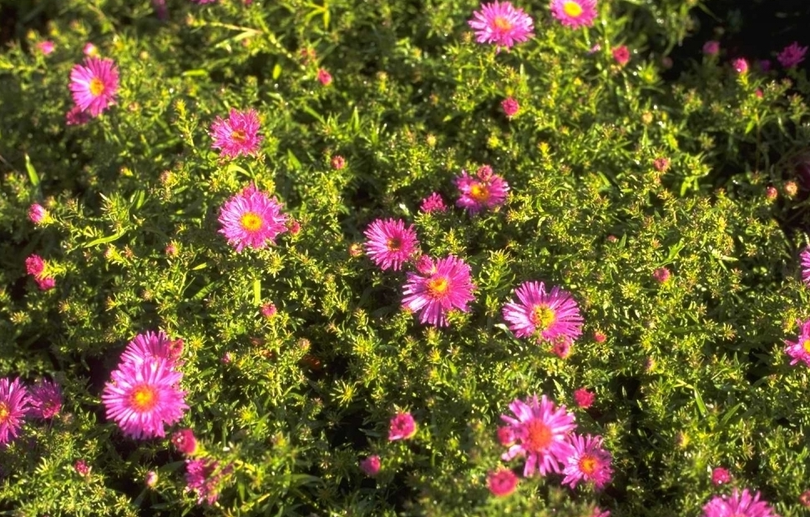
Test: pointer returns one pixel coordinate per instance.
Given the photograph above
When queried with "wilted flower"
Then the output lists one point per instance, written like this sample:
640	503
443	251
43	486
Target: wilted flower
338	162
661	275
269	310
185	441
151	479
203	477
46	400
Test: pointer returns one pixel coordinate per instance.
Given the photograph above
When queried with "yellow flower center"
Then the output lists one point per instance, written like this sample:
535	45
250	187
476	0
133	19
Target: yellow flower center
437	287
143	398
806	345
572	9
4	412
479	192
394	244
239	136
251	222
538	436
543	317
588	464
96	87
501	23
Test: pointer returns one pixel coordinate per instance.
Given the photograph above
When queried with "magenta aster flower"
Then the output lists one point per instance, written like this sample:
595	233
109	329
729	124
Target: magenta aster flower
584	398
805	258
541	314
501	24
143	396
574	13
76	117
621	55
587	462
541	434
185	441
371	465
46	400
510	107
251	219
791	55
740	504
14	406
151	345
711	47
401	427
799	350
740	65
485	190
433	203
389	243
204	476
443	286
34	265
37	213
237	135
46	47
324	77
720	476
94	85
502	482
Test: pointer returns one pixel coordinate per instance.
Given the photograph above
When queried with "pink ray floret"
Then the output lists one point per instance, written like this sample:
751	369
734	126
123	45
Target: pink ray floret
484	191
252	219
541	314
740	504
14	406
439	287
588	462
389	243
239	134
143	397
799	350
574	13
153	345
805	259
540	430
94	84
501	24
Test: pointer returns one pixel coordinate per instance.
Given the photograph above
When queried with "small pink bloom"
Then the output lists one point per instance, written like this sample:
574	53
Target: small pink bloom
484	191
720	476
46	47
791	55
390	244
506	436
661	164
740	65
338	162
34	265
661	275
151	479
510	107
171	250
269	310
502	482
584	398
238	135
37	213
770	194
227	358
324	77
804	499
402	427
185	441
711	47
598	512
293	226
433	203
94	85
371	465
76	117
574	13
501	24
90	49
81	468
621	55
46	283
599	337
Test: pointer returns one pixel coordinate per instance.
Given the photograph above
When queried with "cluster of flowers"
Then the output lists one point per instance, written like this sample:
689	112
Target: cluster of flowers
38	268
17	403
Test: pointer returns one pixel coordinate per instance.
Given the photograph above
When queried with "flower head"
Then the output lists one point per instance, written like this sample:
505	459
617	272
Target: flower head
338	162
34	265
541	434
371	465
389	243
237	135
764	65
46	400
46	47
203	477
740	504
740	65
89	49
661	275
506	436
587	462
94	84
502	482
324	77
805	260
799	350
711	47
82	468
720	476
185	441
37	213
433	203
251	219
541	314
151	479
661	164
150	345
143	396
584	398
621	55
440	287
499	23
269	310
791	55
401	427
485	190
76	117
14	406
510	107
574	13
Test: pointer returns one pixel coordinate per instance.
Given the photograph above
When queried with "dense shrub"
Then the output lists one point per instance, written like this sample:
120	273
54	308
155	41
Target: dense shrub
673	212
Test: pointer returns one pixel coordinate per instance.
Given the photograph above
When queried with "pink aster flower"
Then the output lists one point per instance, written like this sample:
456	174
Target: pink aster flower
621	55
389	243
371	465
46	400
433	203
338	162
324	77
151	479
269	310
14	406
185	441
237	135
82	468
502	482
541	314
94	84
440	287
740	65
711	48
34	265
485	190
574	13
740	504
501	24
37	213
661	164
143	396
791	55
251	219
46	283
510	107
89	49
46	47
561	346
661	275
720	476
204	478
541	433
76	117
588	462
150	345
805	259
401	427
799	351
584	398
